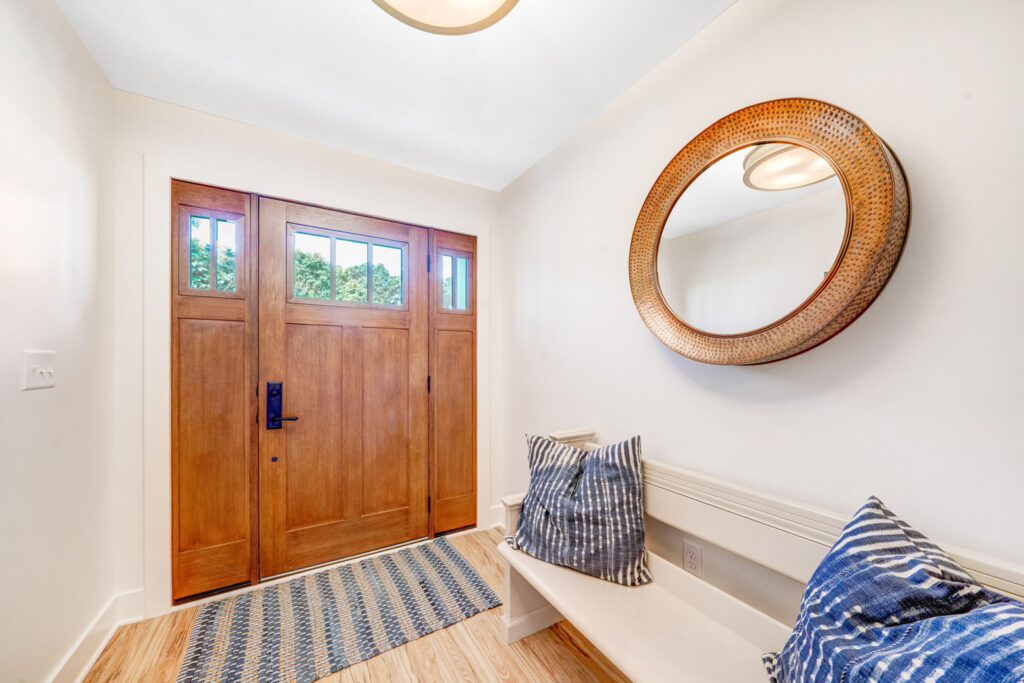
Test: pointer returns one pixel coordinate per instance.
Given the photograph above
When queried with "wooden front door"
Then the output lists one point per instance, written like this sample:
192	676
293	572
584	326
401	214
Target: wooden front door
343	327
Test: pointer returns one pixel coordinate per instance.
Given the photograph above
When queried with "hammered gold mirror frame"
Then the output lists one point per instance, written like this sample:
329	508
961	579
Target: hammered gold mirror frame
877	220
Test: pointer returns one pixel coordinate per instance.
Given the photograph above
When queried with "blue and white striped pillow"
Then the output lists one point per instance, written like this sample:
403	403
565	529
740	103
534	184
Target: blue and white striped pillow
585	509
886	604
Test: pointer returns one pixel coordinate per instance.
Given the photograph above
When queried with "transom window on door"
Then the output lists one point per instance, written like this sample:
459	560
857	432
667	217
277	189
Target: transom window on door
456	282
212	258
330	267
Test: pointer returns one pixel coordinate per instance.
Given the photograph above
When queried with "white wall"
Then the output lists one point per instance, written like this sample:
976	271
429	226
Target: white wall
915	402
919	401
56	110
155	141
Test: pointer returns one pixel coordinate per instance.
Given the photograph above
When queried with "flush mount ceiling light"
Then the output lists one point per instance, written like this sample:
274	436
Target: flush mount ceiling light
448	17
782	166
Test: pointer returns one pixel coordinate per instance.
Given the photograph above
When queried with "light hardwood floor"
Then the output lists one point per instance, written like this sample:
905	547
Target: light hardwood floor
471	650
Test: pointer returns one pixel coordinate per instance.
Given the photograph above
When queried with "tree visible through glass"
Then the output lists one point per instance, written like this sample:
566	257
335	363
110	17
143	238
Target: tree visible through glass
312	266
203	244
352	277
199	253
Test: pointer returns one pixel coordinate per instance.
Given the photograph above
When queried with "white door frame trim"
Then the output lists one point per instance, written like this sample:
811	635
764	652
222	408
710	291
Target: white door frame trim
158	172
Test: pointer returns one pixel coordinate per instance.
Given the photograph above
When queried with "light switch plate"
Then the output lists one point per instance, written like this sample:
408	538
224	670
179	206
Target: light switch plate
38	369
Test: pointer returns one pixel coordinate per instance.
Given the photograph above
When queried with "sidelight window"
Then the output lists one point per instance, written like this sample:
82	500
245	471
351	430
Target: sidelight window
199	252
455	281
212	253
226	250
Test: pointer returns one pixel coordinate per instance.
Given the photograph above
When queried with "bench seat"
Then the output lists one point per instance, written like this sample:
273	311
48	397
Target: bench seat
677	628
680	627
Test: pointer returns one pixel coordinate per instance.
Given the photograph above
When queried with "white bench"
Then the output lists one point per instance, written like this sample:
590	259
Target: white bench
679	627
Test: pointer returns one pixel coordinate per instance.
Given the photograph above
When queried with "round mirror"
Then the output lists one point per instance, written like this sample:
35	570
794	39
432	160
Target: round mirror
768	233
752	238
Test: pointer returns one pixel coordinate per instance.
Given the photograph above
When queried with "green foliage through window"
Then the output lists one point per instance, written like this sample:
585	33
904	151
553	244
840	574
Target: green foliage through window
199	265
387	275
312	276
199	252
387	288
223	240
226	255
350	276
226	270
352	281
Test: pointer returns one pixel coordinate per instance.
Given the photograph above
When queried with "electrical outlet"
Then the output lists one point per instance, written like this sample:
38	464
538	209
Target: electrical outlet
692	559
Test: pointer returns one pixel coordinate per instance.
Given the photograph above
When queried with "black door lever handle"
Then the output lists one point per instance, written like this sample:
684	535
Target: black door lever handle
275	396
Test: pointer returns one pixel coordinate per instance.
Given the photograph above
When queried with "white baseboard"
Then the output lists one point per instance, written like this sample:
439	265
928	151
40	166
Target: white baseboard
497	515
122	608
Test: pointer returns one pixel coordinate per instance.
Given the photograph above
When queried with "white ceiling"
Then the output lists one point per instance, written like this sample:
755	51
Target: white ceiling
480	108
718	195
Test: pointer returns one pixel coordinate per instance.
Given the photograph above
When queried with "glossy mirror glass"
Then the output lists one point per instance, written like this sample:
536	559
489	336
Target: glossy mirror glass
751	238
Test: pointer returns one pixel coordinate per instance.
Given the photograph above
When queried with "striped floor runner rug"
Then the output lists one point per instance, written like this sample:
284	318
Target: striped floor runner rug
308	627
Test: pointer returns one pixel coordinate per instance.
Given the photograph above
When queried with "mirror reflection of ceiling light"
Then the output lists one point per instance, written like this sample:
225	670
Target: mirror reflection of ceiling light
448	16
782	166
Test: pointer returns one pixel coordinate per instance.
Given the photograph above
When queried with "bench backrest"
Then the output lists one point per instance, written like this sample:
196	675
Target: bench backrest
785	536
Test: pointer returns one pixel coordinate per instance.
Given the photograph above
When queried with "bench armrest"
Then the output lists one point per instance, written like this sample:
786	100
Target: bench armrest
579	438
512	504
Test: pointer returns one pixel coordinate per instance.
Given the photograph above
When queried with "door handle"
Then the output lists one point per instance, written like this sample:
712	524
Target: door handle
275	394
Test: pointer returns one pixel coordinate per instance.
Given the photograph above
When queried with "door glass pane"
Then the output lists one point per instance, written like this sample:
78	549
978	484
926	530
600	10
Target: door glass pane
199	253
387	275
226	280
446	282
312	266
462	286
350	270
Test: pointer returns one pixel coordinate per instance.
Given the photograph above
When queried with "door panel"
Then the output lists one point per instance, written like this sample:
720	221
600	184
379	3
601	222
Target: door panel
385	420
317	460
212	403
453	375
350	346
454	438
454	402
211	422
